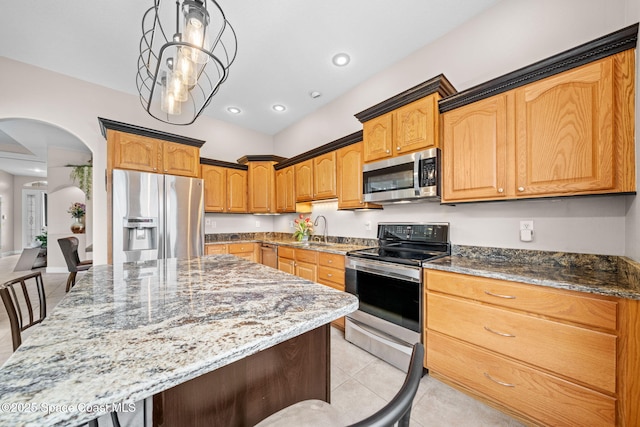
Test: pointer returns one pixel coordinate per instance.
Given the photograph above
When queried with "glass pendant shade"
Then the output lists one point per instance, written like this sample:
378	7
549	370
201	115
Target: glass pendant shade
178	76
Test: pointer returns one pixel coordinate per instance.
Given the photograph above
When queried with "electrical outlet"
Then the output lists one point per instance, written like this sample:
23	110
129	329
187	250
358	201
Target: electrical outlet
526	231
207	221
290	224
213	224
367	225
257	224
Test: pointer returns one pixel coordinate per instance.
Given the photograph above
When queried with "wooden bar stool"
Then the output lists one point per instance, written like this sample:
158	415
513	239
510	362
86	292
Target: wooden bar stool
17	300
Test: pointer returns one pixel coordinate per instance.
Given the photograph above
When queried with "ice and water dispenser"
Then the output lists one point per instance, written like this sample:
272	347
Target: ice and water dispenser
140	234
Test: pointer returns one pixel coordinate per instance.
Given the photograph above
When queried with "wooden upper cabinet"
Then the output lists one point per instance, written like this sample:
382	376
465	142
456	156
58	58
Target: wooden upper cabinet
262	189
324	176
416	125
304	181
236	191
141	153
378	138
474	148
215	188
285	190
134	152
565	132
568	134
225	189
407	129
180	159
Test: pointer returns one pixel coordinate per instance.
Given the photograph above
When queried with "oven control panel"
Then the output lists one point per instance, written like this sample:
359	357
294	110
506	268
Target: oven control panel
414	232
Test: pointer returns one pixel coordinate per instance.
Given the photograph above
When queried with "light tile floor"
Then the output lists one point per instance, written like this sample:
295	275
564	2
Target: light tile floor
360	383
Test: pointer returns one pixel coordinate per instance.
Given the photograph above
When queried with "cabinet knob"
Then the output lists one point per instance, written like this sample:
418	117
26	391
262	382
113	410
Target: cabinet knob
520	188
500	190
388	151
330	261
155	169
398	148
329	275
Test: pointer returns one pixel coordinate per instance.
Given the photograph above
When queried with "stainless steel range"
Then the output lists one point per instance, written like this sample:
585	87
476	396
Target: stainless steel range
388	282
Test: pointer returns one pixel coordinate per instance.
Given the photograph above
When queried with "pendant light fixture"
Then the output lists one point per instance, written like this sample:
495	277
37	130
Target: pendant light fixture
181	68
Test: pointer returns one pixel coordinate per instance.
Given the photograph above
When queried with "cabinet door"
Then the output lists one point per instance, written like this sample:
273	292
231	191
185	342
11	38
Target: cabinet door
564	128
135	152
416	125
349	167
281	191
215	188
307	271
236	190
261	187
378	135
290	173
304	181
180	159
287	265
324	176
475	150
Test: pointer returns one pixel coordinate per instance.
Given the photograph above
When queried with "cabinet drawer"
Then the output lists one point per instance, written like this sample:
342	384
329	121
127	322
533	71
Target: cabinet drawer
285	252
331	260
560	304
215	249
581	354
544	397
332	277
305	255
236	248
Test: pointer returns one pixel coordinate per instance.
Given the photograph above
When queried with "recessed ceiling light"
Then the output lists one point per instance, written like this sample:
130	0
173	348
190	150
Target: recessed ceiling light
341	59
279	108
315	94
234	110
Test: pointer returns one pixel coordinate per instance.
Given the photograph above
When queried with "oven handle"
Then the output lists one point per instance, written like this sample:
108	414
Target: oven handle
386	273
366	329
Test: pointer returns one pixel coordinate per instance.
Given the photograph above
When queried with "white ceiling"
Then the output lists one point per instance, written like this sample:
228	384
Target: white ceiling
284	46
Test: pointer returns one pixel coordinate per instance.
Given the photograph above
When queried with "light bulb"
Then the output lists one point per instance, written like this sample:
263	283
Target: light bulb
177	86
169	104
187	68
196	20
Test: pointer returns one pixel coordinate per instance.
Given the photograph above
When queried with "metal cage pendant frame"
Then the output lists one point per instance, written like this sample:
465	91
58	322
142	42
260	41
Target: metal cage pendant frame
179	75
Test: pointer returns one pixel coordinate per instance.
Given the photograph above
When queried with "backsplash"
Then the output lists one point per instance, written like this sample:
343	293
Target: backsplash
285	237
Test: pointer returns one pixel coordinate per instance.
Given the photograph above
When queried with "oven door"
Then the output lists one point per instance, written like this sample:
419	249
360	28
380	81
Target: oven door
387	291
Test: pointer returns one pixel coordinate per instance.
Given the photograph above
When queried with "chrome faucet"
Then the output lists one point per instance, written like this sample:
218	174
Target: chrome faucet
315	223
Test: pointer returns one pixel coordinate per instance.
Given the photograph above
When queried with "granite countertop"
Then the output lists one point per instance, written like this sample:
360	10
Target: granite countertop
602	275
126	332
334	248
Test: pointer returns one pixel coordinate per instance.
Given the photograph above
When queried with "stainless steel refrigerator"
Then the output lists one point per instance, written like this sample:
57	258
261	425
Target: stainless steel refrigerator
156	216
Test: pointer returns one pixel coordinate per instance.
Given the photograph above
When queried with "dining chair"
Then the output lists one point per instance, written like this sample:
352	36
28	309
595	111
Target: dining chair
69	247
320	413
17	296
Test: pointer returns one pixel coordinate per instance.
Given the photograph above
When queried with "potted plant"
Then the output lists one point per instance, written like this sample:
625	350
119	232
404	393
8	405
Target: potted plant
77	211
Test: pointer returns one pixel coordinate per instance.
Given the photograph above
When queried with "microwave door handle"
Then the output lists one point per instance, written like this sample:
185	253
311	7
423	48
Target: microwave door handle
416	174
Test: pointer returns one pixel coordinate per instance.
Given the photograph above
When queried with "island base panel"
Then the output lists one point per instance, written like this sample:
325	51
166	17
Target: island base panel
249	390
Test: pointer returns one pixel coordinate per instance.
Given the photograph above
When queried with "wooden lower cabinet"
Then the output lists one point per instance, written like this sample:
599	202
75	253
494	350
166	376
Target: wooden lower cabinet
547	399
544	355
322	267
249	251
215	249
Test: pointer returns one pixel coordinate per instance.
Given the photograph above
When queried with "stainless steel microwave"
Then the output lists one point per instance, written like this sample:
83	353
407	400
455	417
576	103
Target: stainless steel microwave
410	177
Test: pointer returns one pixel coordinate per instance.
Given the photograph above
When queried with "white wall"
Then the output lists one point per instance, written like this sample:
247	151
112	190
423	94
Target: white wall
238	223
508	36
6	223
73	105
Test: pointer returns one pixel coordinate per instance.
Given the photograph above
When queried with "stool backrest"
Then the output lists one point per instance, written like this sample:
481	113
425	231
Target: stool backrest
17	296
69	247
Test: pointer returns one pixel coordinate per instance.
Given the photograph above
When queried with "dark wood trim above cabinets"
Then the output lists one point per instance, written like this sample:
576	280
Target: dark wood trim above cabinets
438	84
150	133
260	158
599	48
223	164
323	149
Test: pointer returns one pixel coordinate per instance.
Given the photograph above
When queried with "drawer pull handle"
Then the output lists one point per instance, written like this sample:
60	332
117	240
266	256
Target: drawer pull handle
502	334
498	382
500	296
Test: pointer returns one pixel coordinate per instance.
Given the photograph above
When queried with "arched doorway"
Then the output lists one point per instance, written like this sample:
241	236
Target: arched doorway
36	151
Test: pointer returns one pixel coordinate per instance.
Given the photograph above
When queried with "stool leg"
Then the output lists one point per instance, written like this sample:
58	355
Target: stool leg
71	281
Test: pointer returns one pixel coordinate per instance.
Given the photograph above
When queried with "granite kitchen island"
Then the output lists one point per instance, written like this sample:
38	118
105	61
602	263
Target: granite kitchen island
216	336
